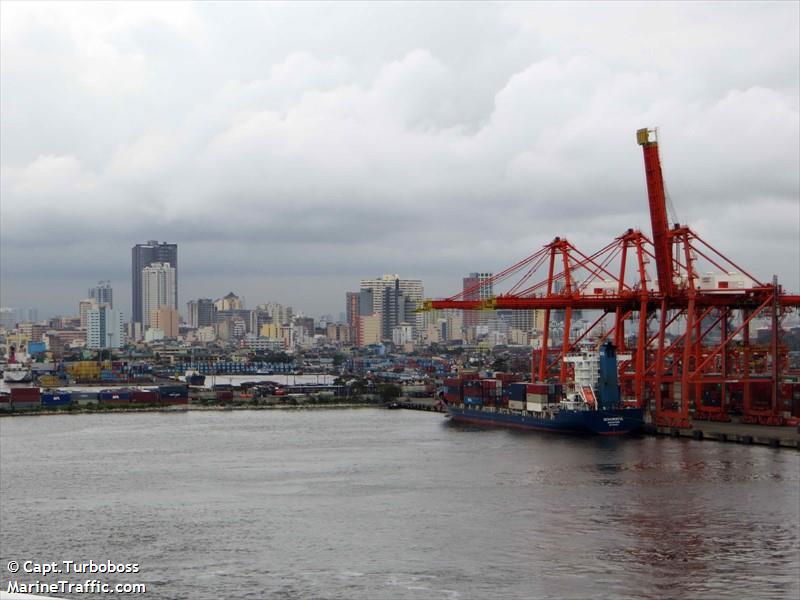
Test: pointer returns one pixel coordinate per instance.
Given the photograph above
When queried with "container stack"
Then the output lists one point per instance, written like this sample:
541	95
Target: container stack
452	390
25	398
517	396
473	392
174	394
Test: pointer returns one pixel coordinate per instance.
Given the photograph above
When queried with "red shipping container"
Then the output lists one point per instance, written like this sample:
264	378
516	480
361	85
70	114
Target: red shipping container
25	394
144	397
224	396
536	388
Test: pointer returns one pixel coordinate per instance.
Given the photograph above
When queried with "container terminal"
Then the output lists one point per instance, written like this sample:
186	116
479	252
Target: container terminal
693	356
682	333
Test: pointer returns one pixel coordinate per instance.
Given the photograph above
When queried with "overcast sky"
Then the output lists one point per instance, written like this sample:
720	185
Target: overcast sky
292	149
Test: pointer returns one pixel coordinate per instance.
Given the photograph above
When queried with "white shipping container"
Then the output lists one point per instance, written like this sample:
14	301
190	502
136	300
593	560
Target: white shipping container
540	398
725	281
516	405
536	406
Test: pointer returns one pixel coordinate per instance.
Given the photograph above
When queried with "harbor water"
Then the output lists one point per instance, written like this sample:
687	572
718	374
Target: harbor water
375	504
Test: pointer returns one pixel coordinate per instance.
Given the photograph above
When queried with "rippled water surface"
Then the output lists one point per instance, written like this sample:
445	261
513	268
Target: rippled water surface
391	505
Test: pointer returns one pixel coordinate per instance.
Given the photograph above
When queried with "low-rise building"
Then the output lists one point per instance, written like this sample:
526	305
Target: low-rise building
262	344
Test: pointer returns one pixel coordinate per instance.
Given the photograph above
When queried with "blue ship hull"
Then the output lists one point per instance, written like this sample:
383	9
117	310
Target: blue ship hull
594	422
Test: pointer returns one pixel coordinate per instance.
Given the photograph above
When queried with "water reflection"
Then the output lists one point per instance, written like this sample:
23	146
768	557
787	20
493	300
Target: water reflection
388	505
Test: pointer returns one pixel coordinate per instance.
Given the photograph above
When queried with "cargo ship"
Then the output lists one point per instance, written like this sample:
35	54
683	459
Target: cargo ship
15	371
591	404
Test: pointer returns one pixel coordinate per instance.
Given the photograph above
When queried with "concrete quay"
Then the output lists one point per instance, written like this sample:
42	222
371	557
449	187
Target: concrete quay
741	433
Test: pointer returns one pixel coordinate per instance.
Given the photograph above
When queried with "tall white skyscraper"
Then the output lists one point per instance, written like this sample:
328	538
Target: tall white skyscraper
143	255
104	327
158	289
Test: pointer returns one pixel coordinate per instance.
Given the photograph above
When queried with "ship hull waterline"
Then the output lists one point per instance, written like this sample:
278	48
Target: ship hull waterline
606	422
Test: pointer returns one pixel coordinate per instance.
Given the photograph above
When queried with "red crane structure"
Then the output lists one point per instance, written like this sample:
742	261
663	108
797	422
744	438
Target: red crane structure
691	342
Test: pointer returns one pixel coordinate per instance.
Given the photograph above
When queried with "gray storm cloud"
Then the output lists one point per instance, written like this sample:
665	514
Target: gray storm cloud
292	149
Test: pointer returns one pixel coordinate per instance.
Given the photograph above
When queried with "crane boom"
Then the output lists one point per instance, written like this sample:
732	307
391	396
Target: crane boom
658	209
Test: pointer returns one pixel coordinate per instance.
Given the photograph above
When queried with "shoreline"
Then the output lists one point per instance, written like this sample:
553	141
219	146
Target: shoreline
184	408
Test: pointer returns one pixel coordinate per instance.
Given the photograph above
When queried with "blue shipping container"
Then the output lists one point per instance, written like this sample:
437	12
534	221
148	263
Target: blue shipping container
472	400
56	399
517	392
173	391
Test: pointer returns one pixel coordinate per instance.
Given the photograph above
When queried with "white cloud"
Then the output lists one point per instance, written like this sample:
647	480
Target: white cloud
394	138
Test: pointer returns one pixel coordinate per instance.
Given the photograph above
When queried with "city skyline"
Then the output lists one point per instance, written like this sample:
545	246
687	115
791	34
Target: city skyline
310	164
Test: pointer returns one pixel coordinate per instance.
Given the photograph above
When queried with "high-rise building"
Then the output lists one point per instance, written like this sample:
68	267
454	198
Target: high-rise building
84	306
144	255
158	289
352	311
229	302
477	286
104	328
339	332
307	323
167	320
280	314
201	312
102	293
359	304
257	318
412	288
392	297
397	309
369	330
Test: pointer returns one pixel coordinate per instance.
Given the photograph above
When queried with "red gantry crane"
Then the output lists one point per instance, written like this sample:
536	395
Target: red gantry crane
691	340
